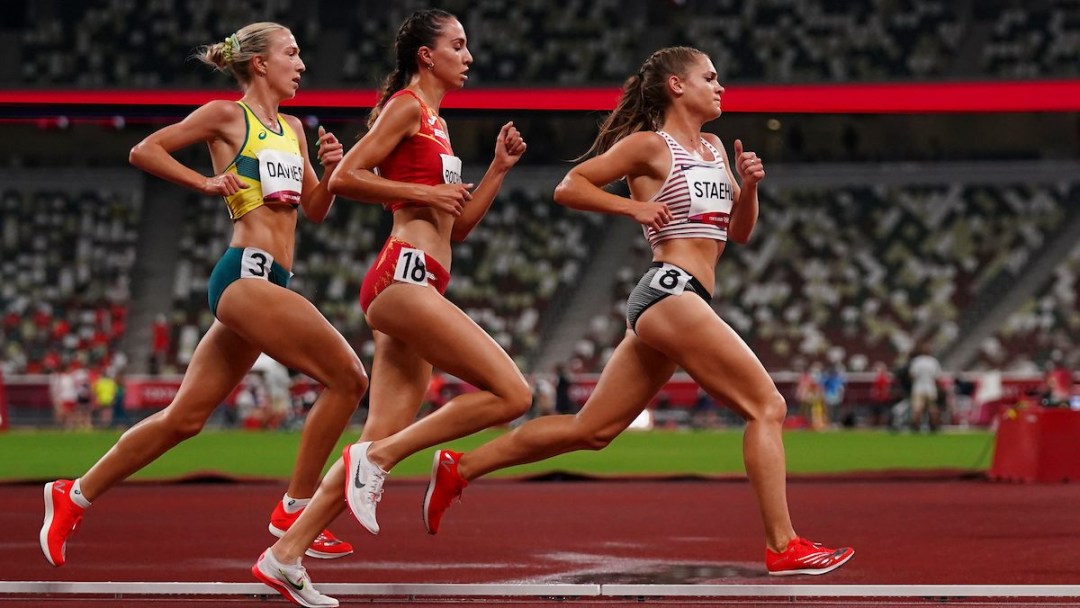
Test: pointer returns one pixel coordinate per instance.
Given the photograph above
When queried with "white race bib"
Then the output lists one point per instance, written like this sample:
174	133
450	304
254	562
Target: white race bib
281	175
670	279
711	197
255	264
451	169
411	267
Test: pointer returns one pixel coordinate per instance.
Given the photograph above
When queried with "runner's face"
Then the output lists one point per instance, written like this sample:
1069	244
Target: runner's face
701	89
283	64
450	56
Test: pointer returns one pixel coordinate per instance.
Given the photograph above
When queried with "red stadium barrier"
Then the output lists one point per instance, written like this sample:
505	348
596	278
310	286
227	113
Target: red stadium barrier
1037	444
887	98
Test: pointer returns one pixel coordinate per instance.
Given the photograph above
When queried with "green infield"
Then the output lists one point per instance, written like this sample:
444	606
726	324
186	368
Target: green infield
42	455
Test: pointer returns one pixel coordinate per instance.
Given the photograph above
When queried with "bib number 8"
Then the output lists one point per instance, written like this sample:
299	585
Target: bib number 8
670	279
411	267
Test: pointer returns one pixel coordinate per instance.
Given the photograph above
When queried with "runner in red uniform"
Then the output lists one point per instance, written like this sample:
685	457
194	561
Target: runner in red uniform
406	162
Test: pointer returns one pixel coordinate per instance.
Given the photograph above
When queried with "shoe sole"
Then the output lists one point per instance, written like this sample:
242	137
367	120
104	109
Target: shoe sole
278	532
43	536
815	571
283	590
431	490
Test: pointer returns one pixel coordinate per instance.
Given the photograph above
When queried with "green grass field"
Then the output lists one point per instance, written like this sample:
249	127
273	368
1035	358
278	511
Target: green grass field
38	455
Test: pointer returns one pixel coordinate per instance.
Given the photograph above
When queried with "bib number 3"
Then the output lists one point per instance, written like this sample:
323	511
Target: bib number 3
255	264
670	279
411	267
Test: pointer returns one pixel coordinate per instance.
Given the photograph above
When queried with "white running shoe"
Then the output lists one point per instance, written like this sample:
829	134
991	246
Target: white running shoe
291	581
363	485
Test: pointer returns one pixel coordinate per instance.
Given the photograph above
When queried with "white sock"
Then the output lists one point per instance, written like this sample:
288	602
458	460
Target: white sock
292	505
76	494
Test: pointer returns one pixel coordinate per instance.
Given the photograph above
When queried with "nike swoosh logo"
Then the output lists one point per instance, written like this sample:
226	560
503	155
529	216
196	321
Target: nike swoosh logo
356	479
448	459
299	587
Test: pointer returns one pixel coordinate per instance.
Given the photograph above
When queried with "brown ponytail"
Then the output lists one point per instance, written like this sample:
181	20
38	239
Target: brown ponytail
644	98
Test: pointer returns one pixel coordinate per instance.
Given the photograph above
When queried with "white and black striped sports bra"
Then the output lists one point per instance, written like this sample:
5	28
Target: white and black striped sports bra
698	193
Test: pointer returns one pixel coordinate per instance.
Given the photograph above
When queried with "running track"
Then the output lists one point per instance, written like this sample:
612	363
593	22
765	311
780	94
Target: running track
950	531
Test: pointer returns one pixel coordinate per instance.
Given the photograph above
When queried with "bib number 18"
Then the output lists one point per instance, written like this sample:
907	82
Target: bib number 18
411	267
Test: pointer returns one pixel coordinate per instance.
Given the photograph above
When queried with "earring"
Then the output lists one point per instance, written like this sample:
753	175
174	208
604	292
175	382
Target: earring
431	66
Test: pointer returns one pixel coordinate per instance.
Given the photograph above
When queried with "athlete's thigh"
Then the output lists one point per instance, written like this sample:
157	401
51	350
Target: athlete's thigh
399	381
632	377
286	326
443	335
687	330
220	361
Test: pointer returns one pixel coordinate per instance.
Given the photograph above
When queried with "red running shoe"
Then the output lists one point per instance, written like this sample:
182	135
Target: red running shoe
443	488
805	557
62	518
325	546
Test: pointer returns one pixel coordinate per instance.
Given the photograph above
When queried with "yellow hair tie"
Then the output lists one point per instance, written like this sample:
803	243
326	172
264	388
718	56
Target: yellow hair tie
231	47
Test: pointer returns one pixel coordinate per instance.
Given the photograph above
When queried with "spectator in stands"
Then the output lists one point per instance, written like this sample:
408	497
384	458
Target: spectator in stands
925	370
809	396
105	389
1059	384
833	383
881	397
684	194
406	162
543	395
119	411
159	344
263	178
563	384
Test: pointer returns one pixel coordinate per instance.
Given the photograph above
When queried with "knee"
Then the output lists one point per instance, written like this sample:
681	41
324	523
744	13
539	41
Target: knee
351	380
772	409
592	439
518	401
182	427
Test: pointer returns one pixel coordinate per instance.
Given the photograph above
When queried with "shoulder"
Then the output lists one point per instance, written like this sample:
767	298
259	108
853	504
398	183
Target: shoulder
403	107
641	144
220	109
294	124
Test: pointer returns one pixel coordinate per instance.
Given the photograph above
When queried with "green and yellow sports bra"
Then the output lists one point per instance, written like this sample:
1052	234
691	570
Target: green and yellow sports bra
269	163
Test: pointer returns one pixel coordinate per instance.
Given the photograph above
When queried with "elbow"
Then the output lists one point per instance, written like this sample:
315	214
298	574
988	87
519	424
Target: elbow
741	237
137	154
459	234
562	195
336	184
315	217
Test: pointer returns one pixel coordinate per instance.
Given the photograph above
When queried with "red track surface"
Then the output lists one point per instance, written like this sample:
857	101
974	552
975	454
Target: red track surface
905	532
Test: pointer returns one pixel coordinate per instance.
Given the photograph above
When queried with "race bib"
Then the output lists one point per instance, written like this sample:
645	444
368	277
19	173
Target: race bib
711	197
281	175
451	169
670	279
255	264
411	267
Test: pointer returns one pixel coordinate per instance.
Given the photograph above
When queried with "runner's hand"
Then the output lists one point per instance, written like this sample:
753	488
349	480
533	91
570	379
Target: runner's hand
652	215
226	184
450	198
